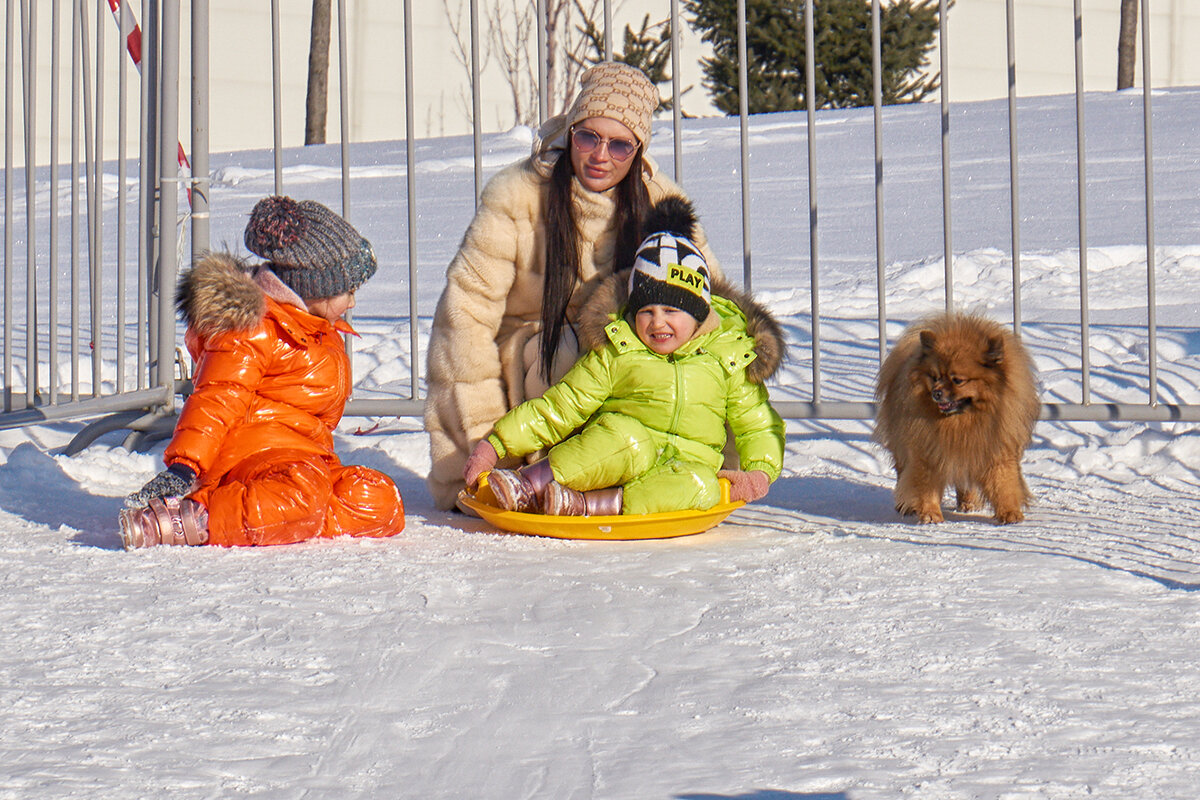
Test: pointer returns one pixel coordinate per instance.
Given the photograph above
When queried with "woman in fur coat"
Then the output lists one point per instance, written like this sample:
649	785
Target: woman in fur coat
653	396
549	229
251	461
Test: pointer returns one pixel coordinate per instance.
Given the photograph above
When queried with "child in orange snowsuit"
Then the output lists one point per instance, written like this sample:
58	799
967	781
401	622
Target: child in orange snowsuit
251	461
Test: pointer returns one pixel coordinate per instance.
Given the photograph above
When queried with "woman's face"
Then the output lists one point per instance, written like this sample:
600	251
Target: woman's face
596	169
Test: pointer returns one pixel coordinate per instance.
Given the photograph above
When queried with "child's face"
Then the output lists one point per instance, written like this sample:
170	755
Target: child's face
664	329
332	308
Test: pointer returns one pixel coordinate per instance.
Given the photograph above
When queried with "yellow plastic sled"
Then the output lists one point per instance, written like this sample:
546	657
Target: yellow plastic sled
663	525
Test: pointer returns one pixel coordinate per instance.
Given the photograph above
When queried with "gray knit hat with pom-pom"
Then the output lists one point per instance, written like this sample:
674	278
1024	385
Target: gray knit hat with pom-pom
313	250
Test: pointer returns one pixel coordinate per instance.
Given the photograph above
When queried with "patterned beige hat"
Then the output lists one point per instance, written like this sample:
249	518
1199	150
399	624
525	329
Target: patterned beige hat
616	91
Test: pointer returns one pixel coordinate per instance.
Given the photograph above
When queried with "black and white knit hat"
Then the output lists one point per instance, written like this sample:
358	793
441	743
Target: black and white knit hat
313	250
669	268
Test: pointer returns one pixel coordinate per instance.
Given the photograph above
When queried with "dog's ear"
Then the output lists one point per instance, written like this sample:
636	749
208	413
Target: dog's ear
995	352
928	339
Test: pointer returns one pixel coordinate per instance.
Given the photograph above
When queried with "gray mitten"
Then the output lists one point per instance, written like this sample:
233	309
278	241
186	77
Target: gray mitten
174	481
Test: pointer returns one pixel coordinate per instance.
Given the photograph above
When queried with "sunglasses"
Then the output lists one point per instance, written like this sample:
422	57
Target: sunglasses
585	141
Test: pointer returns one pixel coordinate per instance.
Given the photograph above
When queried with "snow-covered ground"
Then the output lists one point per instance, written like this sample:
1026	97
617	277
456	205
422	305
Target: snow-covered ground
814	647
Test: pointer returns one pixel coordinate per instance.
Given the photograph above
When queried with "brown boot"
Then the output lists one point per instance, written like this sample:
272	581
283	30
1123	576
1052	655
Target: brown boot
560	501
521	489
167	520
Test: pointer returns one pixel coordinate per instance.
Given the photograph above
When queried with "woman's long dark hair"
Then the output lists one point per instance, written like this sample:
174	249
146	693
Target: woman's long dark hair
562	245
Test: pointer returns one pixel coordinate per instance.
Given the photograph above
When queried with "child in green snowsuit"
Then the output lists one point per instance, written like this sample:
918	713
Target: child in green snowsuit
652	397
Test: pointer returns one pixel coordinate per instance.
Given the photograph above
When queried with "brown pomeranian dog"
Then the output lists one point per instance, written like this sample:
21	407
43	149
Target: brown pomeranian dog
957	400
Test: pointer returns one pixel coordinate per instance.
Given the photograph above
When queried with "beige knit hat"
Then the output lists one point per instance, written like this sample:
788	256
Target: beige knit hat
614	90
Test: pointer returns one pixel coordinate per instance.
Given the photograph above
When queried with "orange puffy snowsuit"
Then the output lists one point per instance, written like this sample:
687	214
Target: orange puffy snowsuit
270	385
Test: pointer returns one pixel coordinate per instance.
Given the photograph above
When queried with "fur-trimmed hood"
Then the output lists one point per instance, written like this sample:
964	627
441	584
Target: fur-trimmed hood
222	293
611	296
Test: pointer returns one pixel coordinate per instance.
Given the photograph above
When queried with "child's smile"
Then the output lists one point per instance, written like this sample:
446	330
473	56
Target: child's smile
664	329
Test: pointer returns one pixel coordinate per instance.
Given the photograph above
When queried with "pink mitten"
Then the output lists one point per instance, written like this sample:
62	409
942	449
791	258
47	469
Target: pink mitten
482	459
748	486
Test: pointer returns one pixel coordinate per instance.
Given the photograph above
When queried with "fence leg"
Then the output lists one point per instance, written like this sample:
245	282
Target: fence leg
142	424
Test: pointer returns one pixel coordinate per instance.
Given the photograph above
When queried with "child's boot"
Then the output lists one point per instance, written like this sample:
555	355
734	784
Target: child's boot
166	520
521	489
560	501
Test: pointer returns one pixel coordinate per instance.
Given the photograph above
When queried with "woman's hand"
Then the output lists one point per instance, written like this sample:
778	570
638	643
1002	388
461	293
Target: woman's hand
482	459
748	486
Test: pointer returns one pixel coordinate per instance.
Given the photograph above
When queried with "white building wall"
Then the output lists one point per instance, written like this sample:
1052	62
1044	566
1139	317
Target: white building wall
1045	46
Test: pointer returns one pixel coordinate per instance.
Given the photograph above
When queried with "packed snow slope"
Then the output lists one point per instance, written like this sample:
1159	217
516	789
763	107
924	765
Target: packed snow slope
814	647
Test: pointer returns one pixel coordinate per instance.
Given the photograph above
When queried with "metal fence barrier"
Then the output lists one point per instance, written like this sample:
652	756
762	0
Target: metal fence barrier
76	299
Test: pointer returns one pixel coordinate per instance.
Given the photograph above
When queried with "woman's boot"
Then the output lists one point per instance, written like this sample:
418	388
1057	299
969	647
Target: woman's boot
559	501
165	520
521	489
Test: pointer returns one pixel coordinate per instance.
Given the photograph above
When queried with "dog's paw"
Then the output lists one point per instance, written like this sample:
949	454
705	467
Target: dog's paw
1009	516
969	500
925	515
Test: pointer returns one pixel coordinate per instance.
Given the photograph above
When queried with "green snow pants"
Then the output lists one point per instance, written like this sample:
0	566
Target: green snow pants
618	450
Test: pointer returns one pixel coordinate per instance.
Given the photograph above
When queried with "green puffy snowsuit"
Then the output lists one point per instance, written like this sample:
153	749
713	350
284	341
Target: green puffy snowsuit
654	424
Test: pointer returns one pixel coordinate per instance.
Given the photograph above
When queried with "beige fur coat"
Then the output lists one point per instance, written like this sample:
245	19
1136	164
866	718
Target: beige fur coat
482	349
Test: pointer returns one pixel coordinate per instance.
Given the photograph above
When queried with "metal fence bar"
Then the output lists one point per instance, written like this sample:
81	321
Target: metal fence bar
810	101
1148	163
1060	412
476	103
29	73
147	173
277	96
96	176
543	87
344	107
410	177
608	48
676	95
200	220
55	120
77	62
1013	164
168	208
8	201
109	404
944	100
1085	351
344	143
744	143
89	182
122	190
877	130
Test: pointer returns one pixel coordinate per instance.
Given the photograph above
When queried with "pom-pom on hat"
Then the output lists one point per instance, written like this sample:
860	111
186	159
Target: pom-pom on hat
314	251
669	268
614	90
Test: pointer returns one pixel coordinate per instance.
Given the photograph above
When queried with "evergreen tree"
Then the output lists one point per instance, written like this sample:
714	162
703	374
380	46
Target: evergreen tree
775	50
